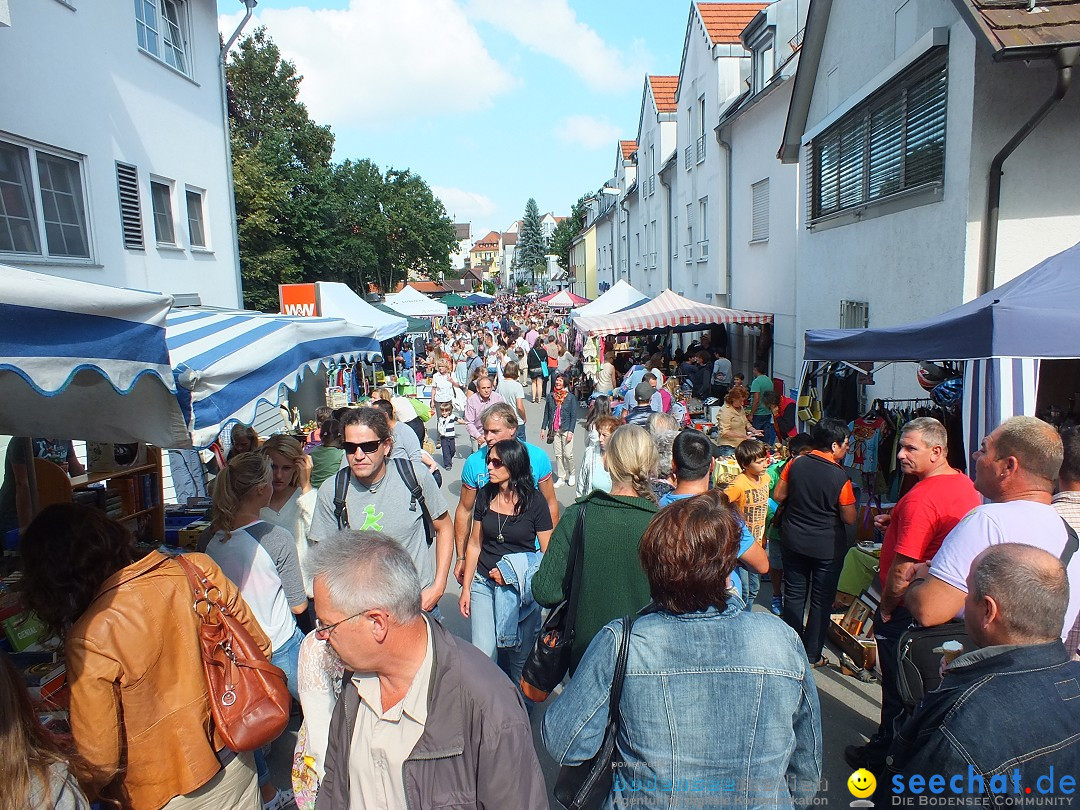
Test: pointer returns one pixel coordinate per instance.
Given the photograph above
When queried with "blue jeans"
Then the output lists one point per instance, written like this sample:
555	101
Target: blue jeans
520	435
286	657
751	584
482	622
765	423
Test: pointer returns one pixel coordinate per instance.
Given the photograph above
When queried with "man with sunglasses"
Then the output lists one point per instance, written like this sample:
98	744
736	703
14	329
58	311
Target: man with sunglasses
500	421
424	718
379	499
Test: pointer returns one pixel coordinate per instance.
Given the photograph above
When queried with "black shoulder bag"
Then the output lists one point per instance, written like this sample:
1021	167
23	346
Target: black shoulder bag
549	660
586	786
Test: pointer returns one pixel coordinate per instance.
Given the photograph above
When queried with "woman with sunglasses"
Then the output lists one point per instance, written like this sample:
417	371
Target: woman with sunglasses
510	532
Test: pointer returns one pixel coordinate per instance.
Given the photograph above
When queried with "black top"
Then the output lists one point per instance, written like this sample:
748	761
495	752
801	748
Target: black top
537	356
811	517
785	422
518	531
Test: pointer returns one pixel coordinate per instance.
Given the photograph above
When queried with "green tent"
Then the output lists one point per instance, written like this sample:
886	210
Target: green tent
455	300
417	326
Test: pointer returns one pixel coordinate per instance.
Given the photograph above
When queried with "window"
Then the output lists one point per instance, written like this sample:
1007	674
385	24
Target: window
764	62
892	142
652	245
700	144
675	241
703	229
689	251
161	200
41	193
160	27
127	186
854	314
759	211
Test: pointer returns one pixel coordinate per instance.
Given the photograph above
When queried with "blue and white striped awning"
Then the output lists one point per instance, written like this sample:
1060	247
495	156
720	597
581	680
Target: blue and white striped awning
228	362
85	361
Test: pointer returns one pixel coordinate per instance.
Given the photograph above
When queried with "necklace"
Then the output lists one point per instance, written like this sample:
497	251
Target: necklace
501	523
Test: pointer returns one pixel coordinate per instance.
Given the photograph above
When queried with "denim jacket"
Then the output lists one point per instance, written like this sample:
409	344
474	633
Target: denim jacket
998	710
515	599
717	708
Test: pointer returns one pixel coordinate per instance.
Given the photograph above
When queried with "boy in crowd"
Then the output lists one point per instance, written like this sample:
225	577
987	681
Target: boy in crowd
749	494
447	427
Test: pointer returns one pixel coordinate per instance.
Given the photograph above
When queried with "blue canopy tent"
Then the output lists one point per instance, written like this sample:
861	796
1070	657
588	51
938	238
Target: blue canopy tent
85	361
480	298
1003	335
227	362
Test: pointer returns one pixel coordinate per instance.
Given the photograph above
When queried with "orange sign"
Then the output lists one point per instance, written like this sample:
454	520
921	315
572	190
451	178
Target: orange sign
298	299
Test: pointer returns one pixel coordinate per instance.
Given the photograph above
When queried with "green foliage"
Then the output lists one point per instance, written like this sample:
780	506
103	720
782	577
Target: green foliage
301	217
531	245
565	231
524	289
489	287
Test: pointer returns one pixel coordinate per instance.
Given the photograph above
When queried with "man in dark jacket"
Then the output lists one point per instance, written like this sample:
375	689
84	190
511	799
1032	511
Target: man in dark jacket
435	723
1003	724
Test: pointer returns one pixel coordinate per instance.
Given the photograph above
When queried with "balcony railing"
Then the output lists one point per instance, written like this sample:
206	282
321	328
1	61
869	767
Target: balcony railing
688	251
689	152
703	250
700	148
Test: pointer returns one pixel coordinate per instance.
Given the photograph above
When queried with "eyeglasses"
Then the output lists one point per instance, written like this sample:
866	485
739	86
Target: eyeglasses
323	631
367	447
497	463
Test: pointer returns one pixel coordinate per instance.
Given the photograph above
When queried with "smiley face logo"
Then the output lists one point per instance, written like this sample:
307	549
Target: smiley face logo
861	783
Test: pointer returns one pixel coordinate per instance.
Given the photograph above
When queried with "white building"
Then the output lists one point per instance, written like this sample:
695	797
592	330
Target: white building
898	110
656	140
463	235
714	68
114	162
762	202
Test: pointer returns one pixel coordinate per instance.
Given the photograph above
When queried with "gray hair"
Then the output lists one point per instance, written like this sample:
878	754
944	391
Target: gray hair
1034	443
661	423
500	410
664	441
1030	586
933	432
365	570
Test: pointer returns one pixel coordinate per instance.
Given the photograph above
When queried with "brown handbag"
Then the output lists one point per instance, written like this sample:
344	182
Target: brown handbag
249	696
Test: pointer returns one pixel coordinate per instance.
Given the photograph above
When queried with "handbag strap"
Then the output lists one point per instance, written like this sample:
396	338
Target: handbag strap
204	591
620	671
577	563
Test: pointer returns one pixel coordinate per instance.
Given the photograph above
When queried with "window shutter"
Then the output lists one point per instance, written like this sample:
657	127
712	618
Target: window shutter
759	217
925	149
127	184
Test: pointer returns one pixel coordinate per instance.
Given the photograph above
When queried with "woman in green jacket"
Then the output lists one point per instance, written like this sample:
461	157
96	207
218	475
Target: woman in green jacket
612	581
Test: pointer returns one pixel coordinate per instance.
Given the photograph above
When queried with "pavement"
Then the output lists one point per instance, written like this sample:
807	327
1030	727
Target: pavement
849	708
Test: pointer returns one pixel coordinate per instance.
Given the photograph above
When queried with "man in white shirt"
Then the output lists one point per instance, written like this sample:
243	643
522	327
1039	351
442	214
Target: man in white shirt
1015	469
424	719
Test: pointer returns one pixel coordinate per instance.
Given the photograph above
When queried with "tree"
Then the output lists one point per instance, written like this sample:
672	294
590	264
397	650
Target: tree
565	231
531	245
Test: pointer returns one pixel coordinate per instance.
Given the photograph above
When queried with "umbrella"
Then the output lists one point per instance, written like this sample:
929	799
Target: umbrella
85	361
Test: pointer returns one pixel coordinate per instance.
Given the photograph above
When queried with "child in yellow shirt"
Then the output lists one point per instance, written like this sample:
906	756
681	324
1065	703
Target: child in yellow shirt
749	494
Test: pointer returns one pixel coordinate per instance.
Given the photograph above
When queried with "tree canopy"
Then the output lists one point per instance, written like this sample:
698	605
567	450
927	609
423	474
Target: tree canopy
300	216
531	245
566	230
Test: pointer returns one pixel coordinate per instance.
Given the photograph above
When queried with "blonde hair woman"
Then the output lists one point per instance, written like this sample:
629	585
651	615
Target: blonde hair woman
261	559
612	581
293	500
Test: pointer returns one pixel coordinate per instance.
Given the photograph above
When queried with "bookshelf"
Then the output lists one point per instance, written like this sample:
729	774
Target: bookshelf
132	496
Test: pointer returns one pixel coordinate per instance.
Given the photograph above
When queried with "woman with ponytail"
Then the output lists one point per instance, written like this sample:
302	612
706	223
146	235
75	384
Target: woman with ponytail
261	559
613	583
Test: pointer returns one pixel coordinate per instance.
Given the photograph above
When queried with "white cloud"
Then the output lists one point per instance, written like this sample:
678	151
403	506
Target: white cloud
382	61
584	130
551	27
464	206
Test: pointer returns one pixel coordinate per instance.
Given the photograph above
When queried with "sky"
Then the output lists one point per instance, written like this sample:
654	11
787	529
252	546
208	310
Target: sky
490	101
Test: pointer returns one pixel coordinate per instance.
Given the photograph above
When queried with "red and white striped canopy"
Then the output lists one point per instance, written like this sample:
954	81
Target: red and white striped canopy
667	311
564	298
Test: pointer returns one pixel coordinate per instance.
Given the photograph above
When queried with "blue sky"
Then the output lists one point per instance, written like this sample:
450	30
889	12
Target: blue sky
491	101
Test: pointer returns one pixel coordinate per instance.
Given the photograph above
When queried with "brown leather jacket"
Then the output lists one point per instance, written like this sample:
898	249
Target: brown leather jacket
140	714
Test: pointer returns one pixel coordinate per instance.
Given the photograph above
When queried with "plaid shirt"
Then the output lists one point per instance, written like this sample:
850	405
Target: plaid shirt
1067	505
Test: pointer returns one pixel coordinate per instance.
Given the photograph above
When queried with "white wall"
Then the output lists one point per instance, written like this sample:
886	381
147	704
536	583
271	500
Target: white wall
77	82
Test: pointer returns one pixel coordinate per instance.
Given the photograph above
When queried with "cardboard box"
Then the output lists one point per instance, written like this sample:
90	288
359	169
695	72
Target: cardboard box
23	630
188	537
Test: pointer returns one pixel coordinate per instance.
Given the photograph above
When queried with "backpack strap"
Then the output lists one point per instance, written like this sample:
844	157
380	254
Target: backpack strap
408	475
341	488
1072	543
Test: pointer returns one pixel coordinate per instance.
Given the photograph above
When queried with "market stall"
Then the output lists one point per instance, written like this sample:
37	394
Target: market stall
619	297
455	301
480	298
337	300
85	361
229	362
667	312
410	301
564	299
1006	337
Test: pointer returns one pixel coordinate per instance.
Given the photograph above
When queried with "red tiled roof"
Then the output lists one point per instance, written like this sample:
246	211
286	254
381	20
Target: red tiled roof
725	21
510	238
1014	31
628	148
491	240
663	90
429	287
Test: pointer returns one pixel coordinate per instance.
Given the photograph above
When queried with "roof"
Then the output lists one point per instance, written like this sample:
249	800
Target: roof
430	287
492	238
462	230
724	22
1013	32
663	92
627	148
817	21
510	238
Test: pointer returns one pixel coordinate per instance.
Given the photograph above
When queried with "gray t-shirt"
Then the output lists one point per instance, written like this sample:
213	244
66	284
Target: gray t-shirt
511	391
406	445
385	509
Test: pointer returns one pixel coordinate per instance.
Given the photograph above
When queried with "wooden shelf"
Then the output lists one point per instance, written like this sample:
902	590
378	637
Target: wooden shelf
83	481
141	512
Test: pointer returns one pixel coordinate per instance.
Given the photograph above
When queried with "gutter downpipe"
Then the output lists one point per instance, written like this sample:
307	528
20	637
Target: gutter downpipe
622	205
1064	59
727	219
249	5
667	227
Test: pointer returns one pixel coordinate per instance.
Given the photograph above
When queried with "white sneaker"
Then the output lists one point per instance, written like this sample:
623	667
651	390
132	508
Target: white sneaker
557	484
570	482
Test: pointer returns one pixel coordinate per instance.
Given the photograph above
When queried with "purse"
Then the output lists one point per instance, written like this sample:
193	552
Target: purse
549	660
249	696
586	786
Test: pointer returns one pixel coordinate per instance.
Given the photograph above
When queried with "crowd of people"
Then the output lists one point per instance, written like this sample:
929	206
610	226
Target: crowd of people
335	552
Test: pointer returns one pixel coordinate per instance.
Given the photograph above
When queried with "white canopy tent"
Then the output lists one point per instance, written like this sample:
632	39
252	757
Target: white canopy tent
667	312
337	300
620	296
411	301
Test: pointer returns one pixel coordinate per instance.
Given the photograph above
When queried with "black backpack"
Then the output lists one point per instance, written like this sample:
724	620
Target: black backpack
408	475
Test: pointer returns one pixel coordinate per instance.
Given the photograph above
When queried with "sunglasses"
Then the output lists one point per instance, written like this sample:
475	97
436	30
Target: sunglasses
367	447
497	463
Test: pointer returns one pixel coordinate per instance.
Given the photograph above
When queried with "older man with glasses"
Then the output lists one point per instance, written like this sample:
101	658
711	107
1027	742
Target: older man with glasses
377	497
424	719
